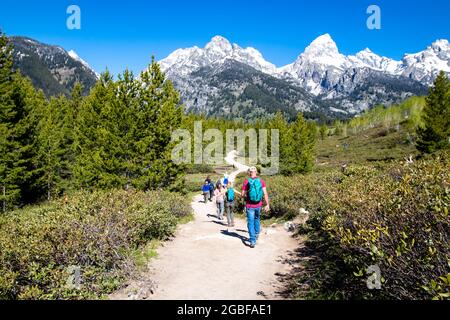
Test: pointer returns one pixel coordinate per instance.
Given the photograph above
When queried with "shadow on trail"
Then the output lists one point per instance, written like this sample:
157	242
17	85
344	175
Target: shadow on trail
236	235
220	223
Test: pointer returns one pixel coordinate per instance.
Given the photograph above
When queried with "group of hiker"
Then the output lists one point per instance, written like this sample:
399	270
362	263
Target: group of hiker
253	192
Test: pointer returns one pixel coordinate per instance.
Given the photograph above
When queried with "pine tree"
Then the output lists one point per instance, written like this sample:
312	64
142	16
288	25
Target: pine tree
19	102
159	114
323	132
279	123
124	132
435	132
93	163
54	147
299	152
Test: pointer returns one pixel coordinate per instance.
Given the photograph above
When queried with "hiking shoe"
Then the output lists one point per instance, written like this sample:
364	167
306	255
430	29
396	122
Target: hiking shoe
252	245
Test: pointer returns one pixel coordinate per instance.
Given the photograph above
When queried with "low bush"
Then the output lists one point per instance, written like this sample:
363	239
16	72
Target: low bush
41	246
393	216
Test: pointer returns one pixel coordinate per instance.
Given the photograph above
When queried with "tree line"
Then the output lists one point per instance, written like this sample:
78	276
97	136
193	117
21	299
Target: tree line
119	136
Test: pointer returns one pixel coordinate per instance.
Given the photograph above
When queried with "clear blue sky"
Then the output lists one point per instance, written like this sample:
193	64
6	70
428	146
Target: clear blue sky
121	34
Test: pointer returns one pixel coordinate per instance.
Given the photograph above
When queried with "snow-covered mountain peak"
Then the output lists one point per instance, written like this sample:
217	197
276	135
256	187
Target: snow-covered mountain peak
216	52
76	57
323	51
220	45
425	65
367	58
322	45
440	45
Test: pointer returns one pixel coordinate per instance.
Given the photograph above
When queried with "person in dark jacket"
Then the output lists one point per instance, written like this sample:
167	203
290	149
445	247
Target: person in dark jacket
206	193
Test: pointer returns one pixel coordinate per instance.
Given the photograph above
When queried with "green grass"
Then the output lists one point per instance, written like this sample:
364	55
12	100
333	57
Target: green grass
186	219
143	255
373	145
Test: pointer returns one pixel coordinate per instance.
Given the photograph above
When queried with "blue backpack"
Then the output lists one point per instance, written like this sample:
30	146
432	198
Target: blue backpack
230	195
255	190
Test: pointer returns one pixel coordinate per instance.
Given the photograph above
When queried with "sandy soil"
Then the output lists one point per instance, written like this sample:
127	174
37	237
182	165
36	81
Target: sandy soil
208	260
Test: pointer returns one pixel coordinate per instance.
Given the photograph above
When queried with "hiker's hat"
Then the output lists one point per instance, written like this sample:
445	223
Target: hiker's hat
253	169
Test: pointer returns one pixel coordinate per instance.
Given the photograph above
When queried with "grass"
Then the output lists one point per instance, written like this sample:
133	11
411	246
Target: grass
186	219
373	145
143	255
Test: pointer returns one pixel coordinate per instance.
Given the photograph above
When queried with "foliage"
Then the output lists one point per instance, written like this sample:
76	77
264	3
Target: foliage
18	105
435	133
119	136
124	131
394	216
98	232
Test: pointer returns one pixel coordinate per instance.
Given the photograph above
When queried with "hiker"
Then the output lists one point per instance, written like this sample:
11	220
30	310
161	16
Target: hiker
205	190
229	204
225	180
253	190
211	190
219	193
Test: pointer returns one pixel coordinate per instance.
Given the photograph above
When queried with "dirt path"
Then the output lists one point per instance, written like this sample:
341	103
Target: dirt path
208	260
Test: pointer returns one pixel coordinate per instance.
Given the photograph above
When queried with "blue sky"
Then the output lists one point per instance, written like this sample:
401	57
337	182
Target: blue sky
121	34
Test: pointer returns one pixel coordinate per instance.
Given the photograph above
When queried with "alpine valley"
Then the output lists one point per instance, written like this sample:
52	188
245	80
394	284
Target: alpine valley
223	79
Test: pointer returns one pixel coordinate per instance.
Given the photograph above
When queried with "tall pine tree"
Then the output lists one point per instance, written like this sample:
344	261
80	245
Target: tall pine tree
124	131
19	104
159	114
298	155
435	132
54	147
93	161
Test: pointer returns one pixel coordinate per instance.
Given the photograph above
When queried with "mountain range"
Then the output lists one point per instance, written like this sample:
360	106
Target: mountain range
212	79
51	68
224	79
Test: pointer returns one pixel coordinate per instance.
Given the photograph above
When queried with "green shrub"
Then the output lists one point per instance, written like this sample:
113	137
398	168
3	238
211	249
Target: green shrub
396	219
96	232
394	216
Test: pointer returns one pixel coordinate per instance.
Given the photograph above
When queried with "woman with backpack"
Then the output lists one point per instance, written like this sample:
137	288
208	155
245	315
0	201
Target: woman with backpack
229	204
219	193
253	191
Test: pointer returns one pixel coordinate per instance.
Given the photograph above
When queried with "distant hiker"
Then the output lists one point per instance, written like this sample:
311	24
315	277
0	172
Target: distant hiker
225	180
205	190
219	193
211	190
229	204
253	190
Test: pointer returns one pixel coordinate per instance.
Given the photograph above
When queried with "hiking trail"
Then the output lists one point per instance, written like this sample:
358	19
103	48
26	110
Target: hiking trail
208	260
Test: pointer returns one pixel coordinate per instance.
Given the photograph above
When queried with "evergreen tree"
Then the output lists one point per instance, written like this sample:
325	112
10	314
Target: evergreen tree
93	163
299	152
158	116
54	147
323	132
124	131
19	103
279	123
435	132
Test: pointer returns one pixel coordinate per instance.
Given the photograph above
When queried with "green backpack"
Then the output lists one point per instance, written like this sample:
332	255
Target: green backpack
230	195
255	190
